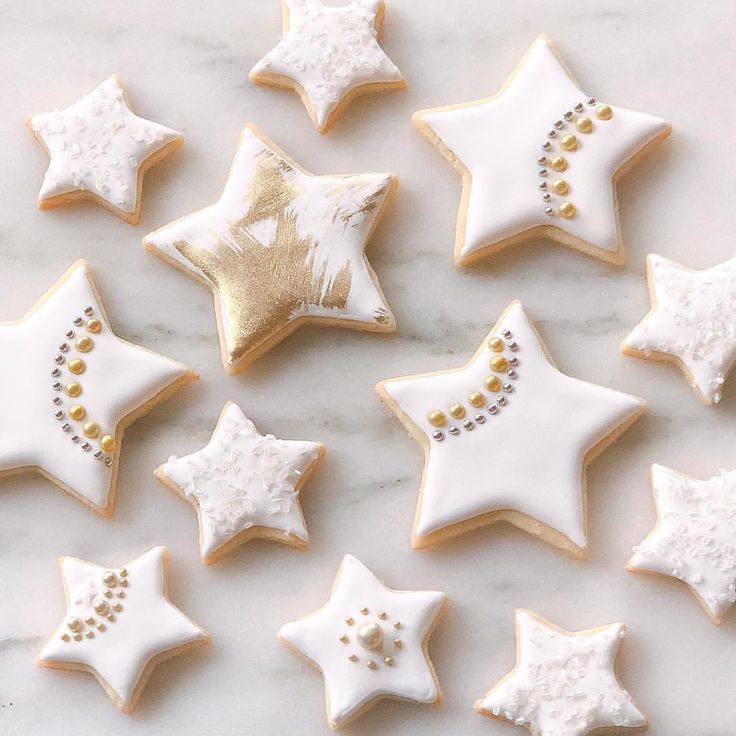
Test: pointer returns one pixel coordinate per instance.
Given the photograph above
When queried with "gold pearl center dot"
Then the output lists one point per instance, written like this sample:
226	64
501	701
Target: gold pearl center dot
492	383
604	112
436	418
94	326
84	344
73	389
457	411
499	363
77	366
569	142
107	443
496	344
91	429
567	210
558	163
476	399
77	412
559	186
584	124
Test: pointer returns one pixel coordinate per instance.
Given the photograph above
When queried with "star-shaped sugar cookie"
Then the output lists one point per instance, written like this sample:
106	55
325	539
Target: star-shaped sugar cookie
564	683
70	387
100	150
539	158
694	539
119	624
370	642
329	54
692	322
281	248
243	485
507	438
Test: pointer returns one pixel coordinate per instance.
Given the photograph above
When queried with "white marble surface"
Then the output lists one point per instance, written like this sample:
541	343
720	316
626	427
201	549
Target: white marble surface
185	65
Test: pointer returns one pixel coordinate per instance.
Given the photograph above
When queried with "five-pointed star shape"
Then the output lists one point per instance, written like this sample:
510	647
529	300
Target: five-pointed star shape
329	54
504	147
564	683
394	627
692	321
119	382
695	536
243	485
100	150
139	629
522	455
281	248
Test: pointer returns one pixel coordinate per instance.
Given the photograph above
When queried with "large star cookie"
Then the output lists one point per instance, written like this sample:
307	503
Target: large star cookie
564	683
539	158
243	485
370	642
99	150
281	248
692	321
119	624
695	536
70	387
507	438
329	54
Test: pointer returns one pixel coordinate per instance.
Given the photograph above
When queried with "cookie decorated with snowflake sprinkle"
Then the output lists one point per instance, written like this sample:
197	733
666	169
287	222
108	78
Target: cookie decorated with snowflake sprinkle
100	150
243	485
539	158
369	642
507	438
329	54
70	387
564	683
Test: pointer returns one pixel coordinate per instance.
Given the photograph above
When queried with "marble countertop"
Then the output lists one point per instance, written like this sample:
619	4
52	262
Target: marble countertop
185	65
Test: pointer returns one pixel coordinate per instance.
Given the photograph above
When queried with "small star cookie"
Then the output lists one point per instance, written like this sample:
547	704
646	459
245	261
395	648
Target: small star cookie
70	387
119	624
370	642
692	321
100	150
243	485
695	536
564	683
539	158
282	248
329	54
507	438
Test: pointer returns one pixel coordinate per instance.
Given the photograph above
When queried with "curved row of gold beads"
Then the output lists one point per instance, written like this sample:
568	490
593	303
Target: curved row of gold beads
105	609
367	640
77	366
569	143
493	384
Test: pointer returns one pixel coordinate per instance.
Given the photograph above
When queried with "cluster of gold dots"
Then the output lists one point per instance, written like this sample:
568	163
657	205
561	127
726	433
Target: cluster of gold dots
370	636
569	143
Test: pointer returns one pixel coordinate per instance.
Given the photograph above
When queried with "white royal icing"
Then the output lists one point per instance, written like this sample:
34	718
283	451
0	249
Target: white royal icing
693	319
98	145
136	626
119	378
330	212
499	142
523	450
330	637
242	479
564	683
329	50
695	537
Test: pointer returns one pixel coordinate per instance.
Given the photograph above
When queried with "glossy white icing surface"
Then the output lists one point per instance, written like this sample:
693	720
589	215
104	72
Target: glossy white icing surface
351	684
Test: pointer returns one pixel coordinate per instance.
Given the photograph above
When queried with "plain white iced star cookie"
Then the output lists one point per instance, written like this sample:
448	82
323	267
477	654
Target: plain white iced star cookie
243	485
70	387
507	438
100	150
119	624
695	536
329	54
281	248
370	642
564	683
539	158
692	321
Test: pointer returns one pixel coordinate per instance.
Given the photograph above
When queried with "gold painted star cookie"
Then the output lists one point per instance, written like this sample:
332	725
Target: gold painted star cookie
564	682
539	158
119	624
282	248
507	438
100	150
70	387
370	642
692	322
243	485
329	54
